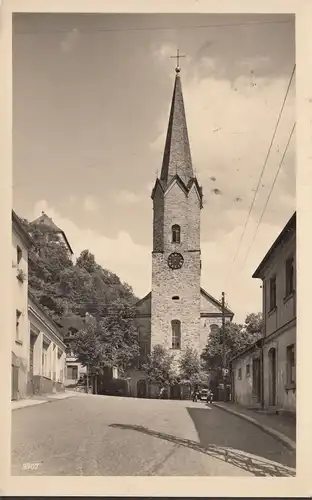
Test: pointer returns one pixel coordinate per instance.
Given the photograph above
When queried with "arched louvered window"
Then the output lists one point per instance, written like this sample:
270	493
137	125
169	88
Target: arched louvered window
176	233
176	334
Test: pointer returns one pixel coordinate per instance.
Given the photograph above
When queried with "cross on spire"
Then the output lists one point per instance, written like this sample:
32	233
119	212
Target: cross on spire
177	57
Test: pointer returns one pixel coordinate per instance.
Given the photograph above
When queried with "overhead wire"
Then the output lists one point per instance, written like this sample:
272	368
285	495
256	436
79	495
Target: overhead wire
153	28
260	177
270	193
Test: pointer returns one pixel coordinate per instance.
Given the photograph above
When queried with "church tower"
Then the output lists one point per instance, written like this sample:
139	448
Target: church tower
176	261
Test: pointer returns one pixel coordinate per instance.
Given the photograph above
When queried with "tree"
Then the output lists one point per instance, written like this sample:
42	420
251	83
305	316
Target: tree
65	289
111	341
254	324
87	262
88	348
190	368
159	367
237	338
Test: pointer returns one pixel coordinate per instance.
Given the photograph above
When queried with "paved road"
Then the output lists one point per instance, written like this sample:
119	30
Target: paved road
100	435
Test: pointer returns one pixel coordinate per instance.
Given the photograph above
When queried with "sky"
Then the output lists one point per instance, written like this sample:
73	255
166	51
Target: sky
91	99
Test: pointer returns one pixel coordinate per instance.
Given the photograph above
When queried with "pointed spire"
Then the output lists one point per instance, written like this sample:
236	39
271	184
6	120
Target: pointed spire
177	155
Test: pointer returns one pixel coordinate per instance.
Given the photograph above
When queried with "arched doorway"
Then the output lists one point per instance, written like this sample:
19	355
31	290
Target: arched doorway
141	389
272	376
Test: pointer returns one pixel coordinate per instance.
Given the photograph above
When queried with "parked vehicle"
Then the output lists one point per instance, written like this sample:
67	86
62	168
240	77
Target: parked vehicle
203	393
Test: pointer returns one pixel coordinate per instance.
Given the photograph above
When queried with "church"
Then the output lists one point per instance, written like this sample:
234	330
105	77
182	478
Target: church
177	312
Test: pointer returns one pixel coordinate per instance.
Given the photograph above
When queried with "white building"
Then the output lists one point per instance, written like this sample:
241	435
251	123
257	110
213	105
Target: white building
21	242
47	352
38	351
265	374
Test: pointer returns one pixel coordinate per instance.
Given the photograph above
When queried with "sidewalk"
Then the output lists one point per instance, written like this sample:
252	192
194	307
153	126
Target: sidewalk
281	427
37	400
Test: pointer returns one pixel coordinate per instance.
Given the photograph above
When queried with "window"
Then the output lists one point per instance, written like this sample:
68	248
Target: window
289	285
239	374
176	233
69	352
19	254
272	293
214	328
72	331
45	348
72	372
176	334
291	365
175	297
248	370
18	317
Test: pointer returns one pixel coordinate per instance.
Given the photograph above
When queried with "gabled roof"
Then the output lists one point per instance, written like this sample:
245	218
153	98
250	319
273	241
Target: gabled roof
45	220
288	229
208	297
177	154
216	302
185	187
146	297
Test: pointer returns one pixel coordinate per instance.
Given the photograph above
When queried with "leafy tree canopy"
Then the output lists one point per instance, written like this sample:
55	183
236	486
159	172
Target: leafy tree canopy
159	367
190	368
67	289
109	341
237	338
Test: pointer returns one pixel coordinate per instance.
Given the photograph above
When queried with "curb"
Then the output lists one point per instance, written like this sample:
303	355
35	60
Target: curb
278	435
41	402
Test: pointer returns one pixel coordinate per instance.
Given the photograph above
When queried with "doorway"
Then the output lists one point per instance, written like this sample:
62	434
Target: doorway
256	381
31	364
272	376
141	389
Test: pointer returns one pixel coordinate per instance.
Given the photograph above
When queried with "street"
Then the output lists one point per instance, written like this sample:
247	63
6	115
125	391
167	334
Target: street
113	436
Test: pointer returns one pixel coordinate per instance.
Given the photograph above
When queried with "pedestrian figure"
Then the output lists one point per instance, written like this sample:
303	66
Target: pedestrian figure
161	394
195	395
209	396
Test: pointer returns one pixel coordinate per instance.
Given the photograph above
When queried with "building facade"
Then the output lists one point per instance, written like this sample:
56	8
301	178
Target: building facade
177	313
276	360
21	243
47	352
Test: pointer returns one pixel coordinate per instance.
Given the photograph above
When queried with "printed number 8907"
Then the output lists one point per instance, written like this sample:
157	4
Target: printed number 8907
31	466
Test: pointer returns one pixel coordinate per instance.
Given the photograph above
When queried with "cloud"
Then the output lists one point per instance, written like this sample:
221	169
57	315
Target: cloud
90	203
70	40
230	124
120	255
127	197
164	51
242	291
230	128
127	259
72	199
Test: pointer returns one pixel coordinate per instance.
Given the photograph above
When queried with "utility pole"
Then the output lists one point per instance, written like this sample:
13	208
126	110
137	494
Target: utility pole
223	346
88	378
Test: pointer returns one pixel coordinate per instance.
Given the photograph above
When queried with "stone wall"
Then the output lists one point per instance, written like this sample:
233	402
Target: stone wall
182	209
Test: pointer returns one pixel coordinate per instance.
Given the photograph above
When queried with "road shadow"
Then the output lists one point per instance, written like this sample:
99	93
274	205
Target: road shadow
254	465
226	430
